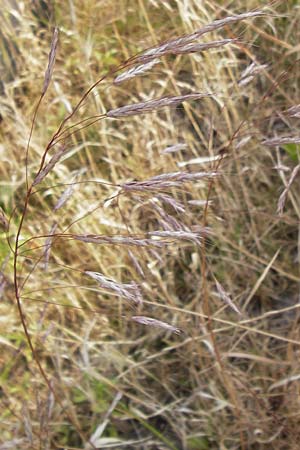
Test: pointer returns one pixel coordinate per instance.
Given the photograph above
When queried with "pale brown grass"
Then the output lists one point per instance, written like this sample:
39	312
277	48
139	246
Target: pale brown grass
182	202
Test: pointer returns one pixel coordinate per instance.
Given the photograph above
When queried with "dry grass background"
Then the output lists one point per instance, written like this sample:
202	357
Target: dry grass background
230	379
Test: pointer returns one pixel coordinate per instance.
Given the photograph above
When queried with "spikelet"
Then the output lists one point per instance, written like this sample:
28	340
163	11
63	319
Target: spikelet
51	61
149	321
152	105
129	291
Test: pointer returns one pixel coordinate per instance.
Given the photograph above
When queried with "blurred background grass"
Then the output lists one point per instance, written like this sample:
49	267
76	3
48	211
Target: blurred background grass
123	384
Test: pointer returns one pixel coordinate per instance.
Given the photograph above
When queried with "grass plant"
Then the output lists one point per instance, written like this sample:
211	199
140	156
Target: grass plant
149	243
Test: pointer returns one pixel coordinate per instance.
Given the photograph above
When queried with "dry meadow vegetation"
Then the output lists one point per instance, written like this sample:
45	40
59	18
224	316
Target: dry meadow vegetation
150	240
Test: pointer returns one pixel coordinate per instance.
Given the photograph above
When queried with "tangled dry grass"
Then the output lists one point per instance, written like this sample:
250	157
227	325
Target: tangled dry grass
150	225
